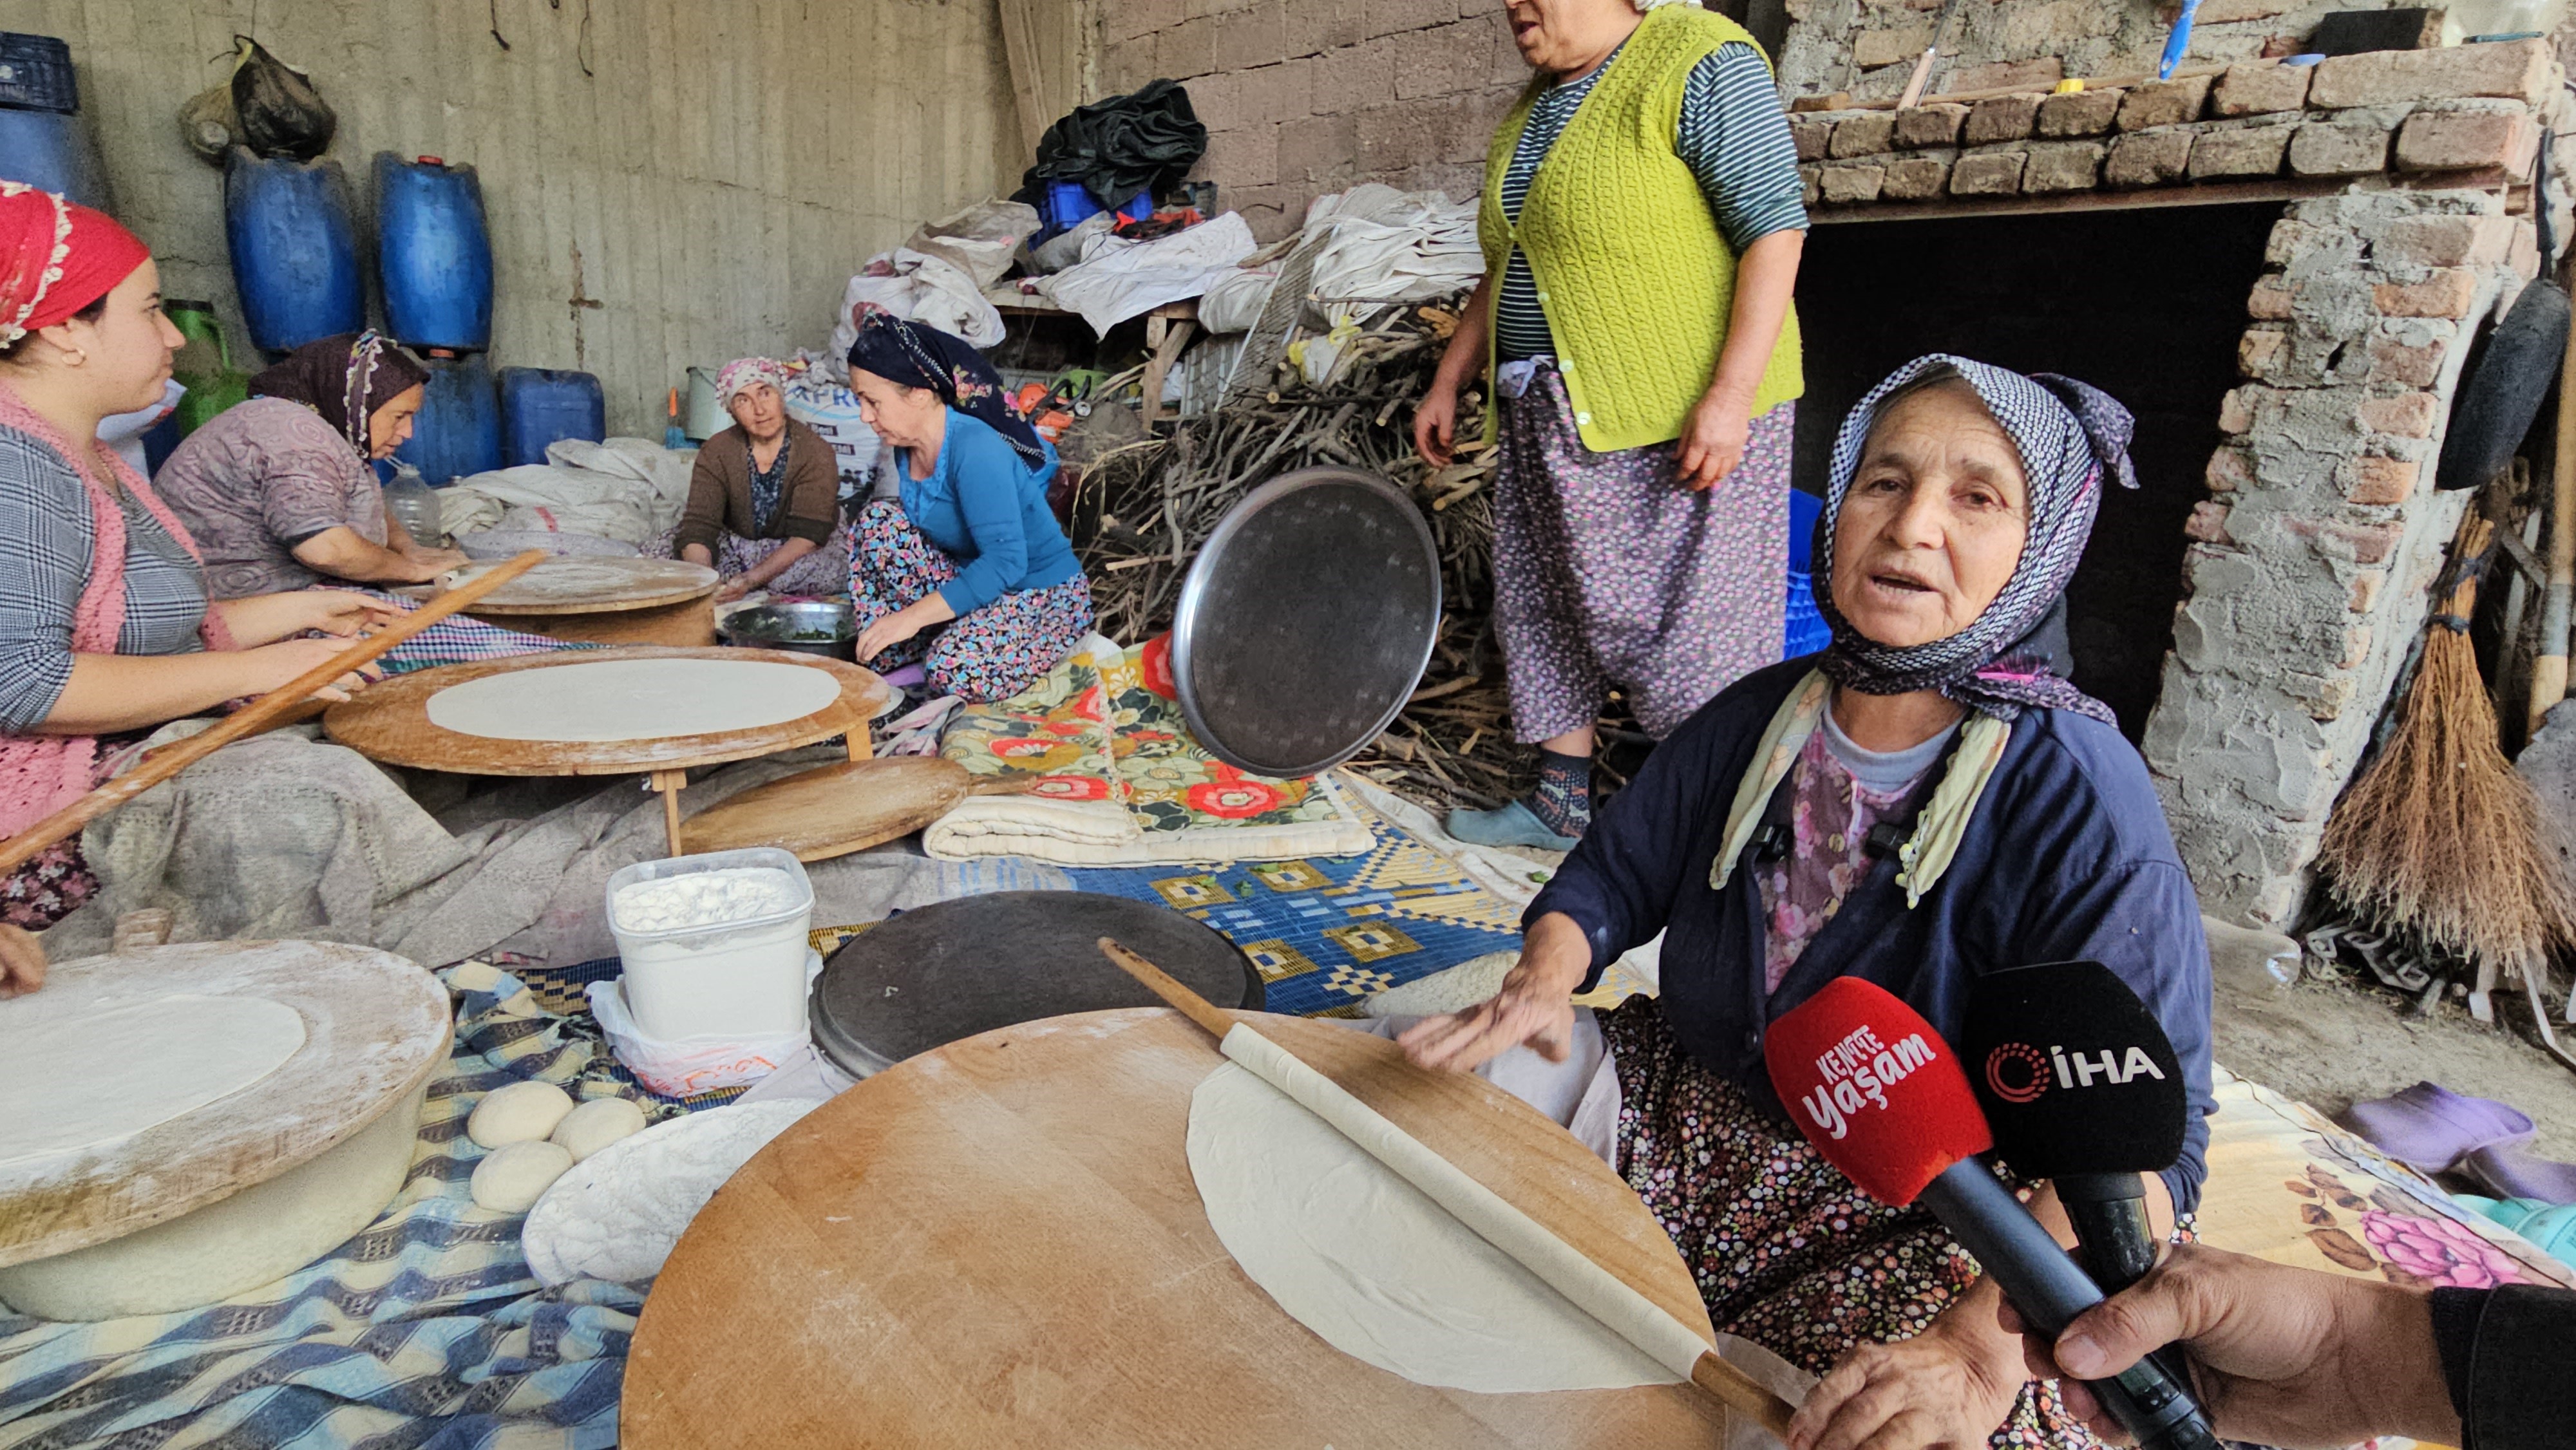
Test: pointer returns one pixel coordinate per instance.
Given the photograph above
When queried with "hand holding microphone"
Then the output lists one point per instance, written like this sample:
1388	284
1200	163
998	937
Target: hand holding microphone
1884	1099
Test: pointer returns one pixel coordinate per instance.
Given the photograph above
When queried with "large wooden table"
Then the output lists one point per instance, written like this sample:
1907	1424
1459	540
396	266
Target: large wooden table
999	1244
389	721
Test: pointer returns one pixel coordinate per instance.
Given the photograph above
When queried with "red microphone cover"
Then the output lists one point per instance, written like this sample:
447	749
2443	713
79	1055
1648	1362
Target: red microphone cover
1874	1087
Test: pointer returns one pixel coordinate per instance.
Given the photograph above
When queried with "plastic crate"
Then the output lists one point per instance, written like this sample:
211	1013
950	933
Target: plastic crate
1070	202
36	73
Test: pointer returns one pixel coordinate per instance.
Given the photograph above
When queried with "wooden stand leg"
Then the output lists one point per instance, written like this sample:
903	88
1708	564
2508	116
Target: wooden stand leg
862	740
669	782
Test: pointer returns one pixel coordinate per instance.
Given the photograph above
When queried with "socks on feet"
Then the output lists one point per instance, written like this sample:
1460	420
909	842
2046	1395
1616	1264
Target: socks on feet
1563	799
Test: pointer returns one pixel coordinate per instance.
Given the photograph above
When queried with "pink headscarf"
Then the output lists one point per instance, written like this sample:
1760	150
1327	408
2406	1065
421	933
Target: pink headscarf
742	372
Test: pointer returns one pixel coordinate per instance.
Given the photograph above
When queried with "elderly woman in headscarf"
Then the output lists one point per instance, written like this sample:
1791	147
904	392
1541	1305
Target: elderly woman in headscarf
764	499
1928	800
1643	221
966	570
280	491
107	627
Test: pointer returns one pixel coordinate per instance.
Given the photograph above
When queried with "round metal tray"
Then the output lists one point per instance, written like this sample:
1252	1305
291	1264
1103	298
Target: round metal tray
1305	622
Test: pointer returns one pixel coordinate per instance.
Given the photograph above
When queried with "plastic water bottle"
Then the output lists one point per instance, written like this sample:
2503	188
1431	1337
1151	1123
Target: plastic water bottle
673	435
413	504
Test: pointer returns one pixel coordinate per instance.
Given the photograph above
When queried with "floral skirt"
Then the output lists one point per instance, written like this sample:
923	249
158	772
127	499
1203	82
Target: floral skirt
991	654
1787	1252
56	883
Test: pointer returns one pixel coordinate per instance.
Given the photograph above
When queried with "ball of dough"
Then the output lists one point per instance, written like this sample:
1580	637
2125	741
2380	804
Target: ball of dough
515	1175
596	1124
523	1112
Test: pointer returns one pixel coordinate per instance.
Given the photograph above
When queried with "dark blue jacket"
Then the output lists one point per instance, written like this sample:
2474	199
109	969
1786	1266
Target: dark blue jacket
2068	858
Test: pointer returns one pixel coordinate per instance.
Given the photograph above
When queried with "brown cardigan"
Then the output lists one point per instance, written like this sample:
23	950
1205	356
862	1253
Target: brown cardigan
720	491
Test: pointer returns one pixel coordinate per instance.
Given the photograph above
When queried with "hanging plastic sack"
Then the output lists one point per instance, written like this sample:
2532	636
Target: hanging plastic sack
281	114
209	124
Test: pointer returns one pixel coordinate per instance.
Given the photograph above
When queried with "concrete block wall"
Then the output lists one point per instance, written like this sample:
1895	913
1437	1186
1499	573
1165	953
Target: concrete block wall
1307	97
705	191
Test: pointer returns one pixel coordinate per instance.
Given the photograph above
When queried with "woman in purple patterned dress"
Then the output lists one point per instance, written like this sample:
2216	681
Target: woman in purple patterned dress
1927	801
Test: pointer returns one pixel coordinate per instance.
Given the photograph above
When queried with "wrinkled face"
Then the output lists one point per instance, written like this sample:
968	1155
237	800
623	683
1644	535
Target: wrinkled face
902	416
1934	522
389	427
125	353
1564	35
760	410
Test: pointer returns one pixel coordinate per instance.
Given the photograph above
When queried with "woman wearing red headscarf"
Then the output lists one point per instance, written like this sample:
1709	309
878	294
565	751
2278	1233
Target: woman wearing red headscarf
106	628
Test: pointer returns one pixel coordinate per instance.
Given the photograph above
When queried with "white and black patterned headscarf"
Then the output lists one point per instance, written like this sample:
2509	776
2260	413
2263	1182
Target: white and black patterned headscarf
2071	435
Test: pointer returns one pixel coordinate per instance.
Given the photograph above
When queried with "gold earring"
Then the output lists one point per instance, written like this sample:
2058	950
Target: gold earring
75	358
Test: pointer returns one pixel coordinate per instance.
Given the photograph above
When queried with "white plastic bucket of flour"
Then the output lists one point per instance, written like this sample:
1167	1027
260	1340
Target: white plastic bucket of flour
742	977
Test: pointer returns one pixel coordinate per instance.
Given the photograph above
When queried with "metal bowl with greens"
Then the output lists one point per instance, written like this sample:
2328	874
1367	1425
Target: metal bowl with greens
815	627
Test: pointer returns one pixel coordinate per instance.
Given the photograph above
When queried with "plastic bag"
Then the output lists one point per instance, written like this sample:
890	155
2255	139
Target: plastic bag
280	112
692	1065
979	241
918	288
209	124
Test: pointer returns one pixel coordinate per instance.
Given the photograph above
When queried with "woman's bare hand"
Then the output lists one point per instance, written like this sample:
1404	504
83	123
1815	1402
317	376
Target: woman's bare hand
22	962
273	665
1714	440
1533	1008
1435	422
1939	1389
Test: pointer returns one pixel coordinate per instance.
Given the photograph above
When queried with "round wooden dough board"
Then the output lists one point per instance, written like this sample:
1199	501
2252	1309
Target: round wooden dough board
389	720
999	1243
376	1027
841	808
593	585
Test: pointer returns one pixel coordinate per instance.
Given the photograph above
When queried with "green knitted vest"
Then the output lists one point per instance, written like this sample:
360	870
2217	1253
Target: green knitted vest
1634	276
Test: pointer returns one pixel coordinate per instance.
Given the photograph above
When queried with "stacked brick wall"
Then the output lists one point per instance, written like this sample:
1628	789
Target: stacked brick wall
1307	97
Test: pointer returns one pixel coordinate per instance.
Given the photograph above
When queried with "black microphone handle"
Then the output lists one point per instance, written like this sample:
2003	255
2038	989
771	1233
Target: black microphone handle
2049	1290
2113	1239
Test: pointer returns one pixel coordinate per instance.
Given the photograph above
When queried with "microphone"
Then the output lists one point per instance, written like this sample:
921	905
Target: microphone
1883	1098
2081	1088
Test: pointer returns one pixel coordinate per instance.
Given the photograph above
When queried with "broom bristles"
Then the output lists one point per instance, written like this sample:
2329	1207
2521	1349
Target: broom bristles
2441	837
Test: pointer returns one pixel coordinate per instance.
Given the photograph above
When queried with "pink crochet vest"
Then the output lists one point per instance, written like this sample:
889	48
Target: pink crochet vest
40	774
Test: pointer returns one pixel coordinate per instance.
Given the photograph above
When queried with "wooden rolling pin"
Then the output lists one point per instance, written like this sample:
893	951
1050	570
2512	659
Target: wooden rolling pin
252	718
1595	1290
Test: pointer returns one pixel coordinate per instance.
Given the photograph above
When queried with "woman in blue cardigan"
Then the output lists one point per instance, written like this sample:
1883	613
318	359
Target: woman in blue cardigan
1926	801
966	570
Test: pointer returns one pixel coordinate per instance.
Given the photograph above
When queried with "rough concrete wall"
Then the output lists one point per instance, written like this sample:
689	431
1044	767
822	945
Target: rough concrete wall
1307	97
711	185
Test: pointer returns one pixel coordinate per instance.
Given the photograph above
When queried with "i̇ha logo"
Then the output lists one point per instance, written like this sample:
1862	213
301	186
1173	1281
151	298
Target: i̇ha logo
2019	1074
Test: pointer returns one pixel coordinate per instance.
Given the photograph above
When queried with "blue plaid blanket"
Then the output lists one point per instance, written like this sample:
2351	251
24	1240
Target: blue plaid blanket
426	1330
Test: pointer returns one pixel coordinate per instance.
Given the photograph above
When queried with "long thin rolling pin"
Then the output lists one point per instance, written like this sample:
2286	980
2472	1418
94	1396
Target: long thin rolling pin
1593	1289
254	717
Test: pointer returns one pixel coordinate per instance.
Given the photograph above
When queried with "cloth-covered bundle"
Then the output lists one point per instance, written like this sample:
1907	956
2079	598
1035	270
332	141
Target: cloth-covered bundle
1121	146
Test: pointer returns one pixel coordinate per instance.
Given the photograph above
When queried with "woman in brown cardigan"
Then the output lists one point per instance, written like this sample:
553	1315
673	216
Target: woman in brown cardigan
764	500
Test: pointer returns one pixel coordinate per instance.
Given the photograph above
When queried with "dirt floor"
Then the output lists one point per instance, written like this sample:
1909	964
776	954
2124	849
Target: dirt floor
2327	1044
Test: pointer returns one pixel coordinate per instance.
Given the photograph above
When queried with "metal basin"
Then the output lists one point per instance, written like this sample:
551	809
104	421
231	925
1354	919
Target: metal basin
818	627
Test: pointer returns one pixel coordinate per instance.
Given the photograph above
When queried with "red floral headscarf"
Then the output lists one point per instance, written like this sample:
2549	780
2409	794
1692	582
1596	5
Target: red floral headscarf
56	257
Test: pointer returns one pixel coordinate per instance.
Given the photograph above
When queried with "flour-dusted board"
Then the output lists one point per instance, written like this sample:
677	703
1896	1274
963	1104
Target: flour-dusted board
999	1243
215	1071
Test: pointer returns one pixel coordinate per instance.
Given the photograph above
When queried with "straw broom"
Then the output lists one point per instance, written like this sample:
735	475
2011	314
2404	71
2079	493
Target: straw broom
2440	837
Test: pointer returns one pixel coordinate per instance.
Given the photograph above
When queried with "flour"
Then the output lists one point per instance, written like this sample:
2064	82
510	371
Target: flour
704	898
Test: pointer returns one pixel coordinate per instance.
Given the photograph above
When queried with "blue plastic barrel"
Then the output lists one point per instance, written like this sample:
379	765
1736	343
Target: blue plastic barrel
541	405
433	254
1805	630
295	249
52	151
458	431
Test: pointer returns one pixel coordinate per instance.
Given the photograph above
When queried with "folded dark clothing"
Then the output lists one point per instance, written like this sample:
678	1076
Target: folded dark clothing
1145	141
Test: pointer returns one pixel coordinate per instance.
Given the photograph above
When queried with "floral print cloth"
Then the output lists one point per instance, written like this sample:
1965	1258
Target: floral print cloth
1104	735
1830	815
1608	572
991	653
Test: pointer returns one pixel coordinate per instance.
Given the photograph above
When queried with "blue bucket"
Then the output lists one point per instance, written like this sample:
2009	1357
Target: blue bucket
1806	631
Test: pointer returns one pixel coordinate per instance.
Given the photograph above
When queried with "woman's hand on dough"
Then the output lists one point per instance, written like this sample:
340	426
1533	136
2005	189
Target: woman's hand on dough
1941	1390
1714	440
1534	1007
733	589
22	962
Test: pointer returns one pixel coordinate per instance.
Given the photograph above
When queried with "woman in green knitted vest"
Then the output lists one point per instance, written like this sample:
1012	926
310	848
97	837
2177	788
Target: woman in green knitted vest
1642	223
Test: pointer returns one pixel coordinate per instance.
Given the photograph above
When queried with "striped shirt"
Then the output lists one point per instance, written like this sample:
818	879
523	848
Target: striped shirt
44	514
1733	136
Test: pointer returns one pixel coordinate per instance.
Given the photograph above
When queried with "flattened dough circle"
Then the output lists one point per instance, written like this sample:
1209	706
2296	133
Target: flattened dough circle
653	699
1382	1273
106	1076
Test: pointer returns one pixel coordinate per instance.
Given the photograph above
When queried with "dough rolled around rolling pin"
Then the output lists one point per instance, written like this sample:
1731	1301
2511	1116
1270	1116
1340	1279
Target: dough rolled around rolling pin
1589	1287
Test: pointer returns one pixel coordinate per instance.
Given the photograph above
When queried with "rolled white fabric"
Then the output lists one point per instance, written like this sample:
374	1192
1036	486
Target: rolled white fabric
1589	1287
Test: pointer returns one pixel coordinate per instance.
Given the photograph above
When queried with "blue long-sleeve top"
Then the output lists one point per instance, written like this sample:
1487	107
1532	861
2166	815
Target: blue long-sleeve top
2067	858
985	505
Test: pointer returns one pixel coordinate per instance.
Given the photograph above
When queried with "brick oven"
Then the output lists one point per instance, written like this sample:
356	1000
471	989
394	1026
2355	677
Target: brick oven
2282	269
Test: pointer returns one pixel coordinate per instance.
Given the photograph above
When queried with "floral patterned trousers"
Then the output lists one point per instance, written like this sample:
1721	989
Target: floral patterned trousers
991	654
